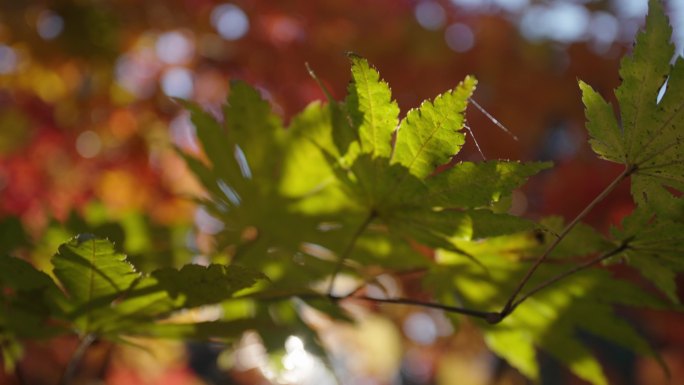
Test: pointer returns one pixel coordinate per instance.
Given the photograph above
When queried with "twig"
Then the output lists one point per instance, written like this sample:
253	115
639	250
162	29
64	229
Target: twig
624	245
512	299
315	77
491	317
76	359
349	248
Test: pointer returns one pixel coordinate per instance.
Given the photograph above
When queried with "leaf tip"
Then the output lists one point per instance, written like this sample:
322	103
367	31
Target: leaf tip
354	56
81	238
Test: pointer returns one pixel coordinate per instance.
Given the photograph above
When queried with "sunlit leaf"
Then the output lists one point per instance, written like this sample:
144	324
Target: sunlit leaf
431	134
582	240
255	129
469	184
12	234
655	249
93	275
371	109
651	136
200	285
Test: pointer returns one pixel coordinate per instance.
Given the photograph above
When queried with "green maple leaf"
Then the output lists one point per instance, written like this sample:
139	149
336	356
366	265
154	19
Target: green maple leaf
650	141
106	296
551	320
650	137
371	109
273	222
200	285
430	135
655	249
331	169
93	275
396	184
28	300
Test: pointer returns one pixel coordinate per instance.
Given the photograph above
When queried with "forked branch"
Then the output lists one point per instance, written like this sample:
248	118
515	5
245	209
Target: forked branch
511	303
348	249
602	257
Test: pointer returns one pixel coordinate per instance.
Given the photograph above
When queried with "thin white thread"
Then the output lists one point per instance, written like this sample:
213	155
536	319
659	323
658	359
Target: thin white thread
467	127
493	119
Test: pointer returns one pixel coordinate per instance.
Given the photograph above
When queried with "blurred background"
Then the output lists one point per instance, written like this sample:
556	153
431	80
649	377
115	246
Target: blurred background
88	126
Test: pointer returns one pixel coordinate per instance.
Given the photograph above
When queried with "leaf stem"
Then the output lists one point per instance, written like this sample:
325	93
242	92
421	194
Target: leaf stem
318	81
348	249
512	299
620	248
76	358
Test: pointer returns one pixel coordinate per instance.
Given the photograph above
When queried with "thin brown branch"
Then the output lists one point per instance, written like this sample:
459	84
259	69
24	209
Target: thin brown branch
318	81
561	276
76	358
512	299
491	317
348	249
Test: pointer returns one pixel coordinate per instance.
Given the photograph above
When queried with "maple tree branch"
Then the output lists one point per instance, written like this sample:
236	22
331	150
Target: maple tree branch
512	299
489	316
76	358
350	246
617	250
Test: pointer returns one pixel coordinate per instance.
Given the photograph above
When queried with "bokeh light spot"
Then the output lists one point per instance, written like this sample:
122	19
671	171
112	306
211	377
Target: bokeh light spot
469	4
563	22
459	37
430	15
420	328
512	5
8	60
49	25
677	22
174	47
177	82
284	30
88	144
631	8
604	29
230	21
136	73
